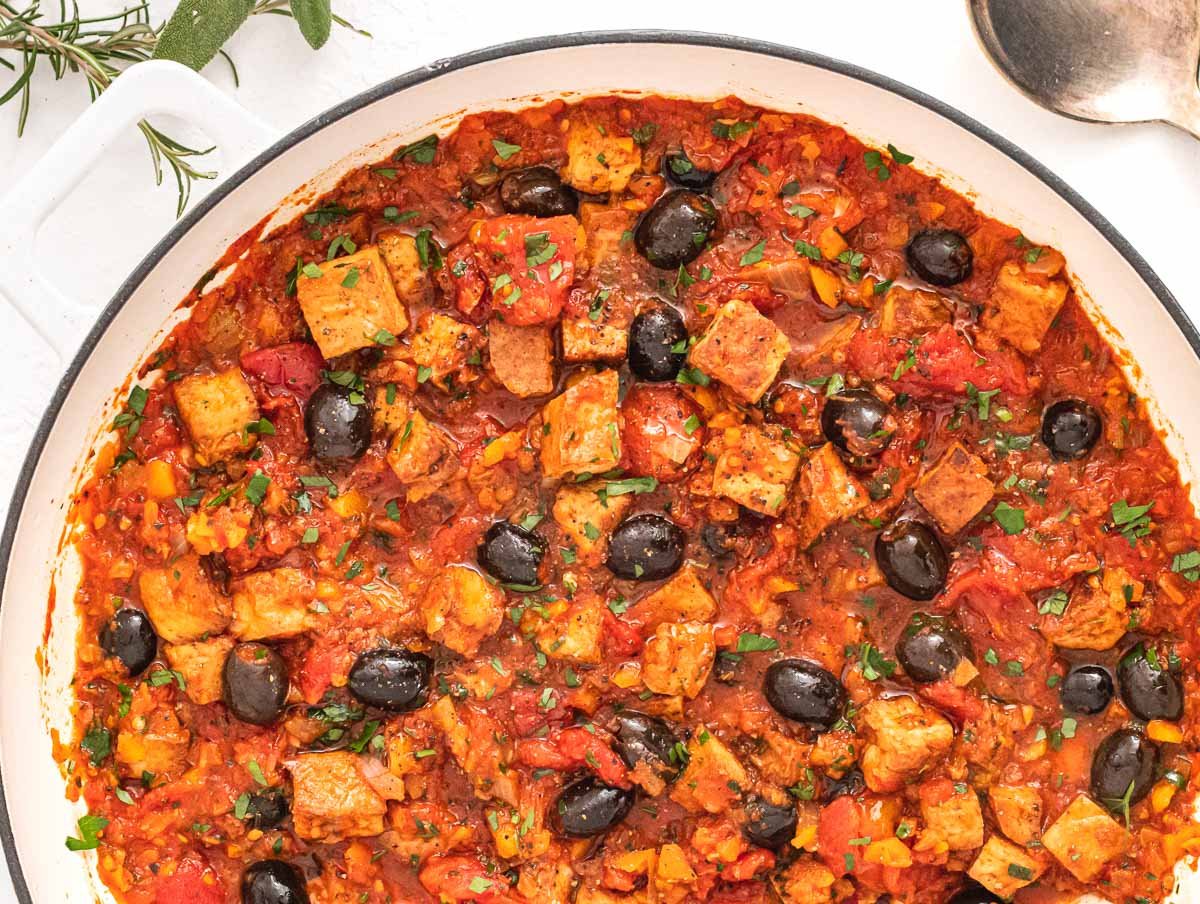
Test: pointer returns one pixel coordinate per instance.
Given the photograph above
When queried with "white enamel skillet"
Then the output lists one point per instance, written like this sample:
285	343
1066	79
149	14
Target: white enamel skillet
1133	306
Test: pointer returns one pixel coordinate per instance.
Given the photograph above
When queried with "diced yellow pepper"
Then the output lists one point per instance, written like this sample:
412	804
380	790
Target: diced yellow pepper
160	479
673	866
1164	732
831	243
349	504
627	675
502	447
1161	796
889	852
828	286
636	862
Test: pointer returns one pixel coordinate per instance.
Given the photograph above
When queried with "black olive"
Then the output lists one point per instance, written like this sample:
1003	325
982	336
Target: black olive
255	683
267	809
975	894
1123	768
130	637
1086	689
395	680
911	557
857	422
337	420
717	539
1149	690
1070	428
852	783
273	882
511	554
941	257
679	169
804	692
769	825
645	547
537	191
589	807
673	231
931	648
645	739
651	336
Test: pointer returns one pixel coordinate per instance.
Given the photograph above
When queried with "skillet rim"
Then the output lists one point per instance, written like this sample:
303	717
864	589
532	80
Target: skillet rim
472	58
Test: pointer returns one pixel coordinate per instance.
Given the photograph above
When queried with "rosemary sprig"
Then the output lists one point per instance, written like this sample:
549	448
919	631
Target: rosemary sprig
100	48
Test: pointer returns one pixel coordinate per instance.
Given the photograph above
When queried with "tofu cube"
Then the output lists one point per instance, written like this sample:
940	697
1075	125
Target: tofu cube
461	609
216	408
826	493
587	518
713	779
522	358
607	233
683	598
182	602
952	813
422	457
1096	617
586	340
1022	307
1003	868
200	664
741	348
582	429
755	469
350	302
1018	811
388	418
956	489
574	631
409	278
331	800
442	348
1086	837
906	737
269	605
679	658
912	312
599	161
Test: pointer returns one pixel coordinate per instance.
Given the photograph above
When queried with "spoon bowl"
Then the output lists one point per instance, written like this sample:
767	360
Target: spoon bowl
1112	61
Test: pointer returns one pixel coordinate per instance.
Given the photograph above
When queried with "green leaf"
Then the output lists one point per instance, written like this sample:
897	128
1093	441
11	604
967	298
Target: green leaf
315	19
755	643
1009	518
754	255
199	28
89	829
504	149
98	744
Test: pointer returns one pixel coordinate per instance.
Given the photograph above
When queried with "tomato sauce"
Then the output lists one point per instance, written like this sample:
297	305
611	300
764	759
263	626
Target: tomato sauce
853	602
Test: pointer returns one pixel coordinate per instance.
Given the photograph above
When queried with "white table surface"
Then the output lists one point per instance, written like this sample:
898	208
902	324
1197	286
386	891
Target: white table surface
1130	173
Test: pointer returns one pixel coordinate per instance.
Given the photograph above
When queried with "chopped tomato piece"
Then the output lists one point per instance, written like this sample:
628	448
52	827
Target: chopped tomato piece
574	748
529	264
293	368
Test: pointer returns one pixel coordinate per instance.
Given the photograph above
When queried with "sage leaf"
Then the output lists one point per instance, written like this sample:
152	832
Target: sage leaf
199	28
315	18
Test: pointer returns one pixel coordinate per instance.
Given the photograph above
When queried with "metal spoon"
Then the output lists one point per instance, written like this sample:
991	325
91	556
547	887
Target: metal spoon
1099	60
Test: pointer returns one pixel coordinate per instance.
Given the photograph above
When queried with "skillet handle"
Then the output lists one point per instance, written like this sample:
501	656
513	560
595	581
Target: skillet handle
153	87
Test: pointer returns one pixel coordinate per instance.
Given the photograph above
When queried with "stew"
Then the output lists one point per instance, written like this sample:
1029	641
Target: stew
636	500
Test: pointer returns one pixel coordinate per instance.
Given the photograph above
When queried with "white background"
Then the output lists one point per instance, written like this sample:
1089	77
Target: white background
1144	178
